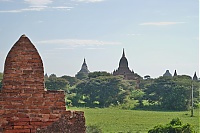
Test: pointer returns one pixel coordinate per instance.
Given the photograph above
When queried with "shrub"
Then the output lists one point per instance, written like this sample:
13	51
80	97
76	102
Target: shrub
175	126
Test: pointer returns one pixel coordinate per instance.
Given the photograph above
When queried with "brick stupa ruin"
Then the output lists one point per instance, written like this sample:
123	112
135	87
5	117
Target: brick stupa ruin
25	106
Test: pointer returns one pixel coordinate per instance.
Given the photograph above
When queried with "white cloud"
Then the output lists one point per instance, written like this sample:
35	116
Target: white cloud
36	8
6	0
38	2
11	11
87	1
36	5
24	10
62	7
78	42
161	23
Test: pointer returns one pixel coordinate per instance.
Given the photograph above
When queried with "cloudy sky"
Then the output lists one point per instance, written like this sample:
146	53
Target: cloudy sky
156	34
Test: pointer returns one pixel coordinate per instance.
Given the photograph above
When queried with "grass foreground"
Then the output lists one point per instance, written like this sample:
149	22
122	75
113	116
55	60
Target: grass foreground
113	120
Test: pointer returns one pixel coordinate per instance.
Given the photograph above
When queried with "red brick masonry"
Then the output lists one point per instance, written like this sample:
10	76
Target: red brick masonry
25	106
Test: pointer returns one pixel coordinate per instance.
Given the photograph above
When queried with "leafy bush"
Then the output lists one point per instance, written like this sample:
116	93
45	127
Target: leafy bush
175	126
129	105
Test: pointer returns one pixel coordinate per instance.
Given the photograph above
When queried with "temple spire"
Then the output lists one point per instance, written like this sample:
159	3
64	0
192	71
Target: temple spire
124	70
195	76
84	61
84	68
123	55
175	73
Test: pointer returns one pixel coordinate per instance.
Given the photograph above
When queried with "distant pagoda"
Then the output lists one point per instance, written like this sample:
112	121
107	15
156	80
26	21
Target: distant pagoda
195	77
175	73
167	74
124	70
84	69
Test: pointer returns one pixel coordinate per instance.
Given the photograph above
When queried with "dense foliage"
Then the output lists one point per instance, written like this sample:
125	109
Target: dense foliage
175	126
81	76
172	93
72	80
54	83
98	74
101	89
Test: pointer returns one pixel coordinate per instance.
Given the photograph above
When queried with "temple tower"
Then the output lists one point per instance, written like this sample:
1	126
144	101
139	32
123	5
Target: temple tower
123	69
167	74
175	73
195	77
83	73
84	68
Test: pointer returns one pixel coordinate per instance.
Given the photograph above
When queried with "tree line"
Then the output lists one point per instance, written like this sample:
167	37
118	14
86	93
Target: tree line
102	89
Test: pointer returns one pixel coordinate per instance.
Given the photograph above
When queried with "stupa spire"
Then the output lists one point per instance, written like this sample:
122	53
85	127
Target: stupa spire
123	55
175	73
195	76
84	61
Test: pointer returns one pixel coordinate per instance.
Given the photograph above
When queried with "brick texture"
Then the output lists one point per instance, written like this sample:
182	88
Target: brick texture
25	106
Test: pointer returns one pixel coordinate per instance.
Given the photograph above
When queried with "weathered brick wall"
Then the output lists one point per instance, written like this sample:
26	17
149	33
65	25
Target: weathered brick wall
24	105
63	125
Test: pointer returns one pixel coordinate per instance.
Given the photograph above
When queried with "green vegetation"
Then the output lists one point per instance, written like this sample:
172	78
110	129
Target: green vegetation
175	126
113	120
124	106
72	80
54	83
81	76
172	93
101	89
98	74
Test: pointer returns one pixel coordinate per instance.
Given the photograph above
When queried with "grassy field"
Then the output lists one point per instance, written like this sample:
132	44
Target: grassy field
112	120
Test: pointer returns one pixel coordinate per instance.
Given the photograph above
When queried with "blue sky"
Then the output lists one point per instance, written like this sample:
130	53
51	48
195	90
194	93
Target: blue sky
156	34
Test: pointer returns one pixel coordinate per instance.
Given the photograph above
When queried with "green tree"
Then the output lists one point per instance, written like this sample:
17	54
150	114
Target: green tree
72	80
81	76
56	83
138	95
187	82
176	98
97	74
101	91
169	93
147	77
